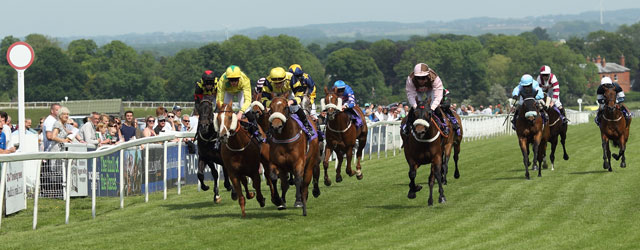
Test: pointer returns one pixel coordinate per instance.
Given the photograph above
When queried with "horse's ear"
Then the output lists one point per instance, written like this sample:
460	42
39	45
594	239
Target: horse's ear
326	91
334	90
218	105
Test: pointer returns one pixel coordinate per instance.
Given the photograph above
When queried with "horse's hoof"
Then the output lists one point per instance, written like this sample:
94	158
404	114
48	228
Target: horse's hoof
316	192
623	164
615	156
227	186
275	202
605	165
411	195
442	199
349	172
204	187
456	175
417	188
234	195
339	178
539	175
545	165
250	195
534	168
610	170
261	201
430	202
359	176
444	182
327	182
565	157
527	176
282	207
298	204
217	199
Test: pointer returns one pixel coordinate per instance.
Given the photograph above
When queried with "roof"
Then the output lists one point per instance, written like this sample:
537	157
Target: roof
611	68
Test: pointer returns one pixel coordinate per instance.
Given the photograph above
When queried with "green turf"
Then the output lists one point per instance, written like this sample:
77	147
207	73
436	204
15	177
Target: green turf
492	206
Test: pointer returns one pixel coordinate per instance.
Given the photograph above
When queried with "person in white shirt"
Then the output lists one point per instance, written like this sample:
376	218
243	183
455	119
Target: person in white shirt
47	126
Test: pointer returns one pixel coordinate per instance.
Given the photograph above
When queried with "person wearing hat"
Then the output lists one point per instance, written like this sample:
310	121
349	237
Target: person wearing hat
232	83
206	87
177	111
304	81
424	82
280	81
526	81
162	121
607	83
549	84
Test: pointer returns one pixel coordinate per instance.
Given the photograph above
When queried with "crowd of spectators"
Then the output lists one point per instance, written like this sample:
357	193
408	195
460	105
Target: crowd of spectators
397	111
97	129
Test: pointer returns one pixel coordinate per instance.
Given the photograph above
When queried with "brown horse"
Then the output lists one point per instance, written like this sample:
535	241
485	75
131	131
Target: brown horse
290	151
241	154
530	128
614	127
341	136
424	146
556	128
452	141
207	137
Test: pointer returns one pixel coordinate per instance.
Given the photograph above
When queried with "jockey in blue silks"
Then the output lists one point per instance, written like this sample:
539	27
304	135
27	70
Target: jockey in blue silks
526	81
348	100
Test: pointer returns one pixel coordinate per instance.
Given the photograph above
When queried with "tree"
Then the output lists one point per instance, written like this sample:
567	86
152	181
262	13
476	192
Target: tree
52	76
358	69
82	50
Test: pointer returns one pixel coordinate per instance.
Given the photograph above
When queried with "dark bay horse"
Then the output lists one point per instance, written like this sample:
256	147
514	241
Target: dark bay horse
341	135
530	128
424	146
556	128
290	151
241	154
452	141
613	127
207	137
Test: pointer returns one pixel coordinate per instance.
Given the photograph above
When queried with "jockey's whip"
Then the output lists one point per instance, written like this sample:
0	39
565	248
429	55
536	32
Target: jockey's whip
509	114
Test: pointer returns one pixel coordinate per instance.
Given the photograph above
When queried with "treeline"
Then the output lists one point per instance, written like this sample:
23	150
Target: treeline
477	70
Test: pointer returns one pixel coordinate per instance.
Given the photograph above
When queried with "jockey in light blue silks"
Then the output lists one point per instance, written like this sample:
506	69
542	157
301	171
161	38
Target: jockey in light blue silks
348	100
526	81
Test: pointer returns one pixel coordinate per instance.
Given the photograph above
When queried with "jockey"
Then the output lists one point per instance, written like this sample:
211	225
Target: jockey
345	92
423	81
235	83
279	82
549	84
206	87
607	83
307	84
260	85
526	81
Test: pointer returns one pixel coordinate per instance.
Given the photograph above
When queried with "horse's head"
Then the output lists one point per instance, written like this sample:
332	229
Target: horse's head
422	114
205	112
225	121
256	106
331	103
528	108
278	112
609	97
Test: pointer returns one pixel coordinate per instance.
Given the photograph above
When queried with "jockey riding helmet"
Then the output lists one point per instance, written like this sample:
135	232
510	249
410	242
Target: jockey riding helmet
296	69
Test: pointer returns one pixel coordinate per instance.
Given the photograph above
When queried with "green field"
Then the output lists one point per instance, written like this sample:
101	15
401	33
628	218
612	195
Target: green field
492	206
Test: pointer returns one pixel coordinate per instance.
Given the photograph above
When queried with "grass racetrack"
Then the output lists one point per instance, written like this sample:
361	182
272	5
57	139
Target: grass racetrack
492	206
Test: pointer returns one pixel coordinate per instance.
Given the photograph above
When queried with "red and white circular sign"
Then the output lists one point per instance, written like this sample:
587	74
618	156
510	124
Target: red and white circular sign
20	55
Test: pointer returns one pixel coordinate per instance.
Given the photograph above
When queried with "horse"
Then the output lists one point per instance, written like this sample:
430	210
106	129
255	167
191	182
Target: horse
290	151
206	138
258	111
424	146
531	129
241	154
341	135
556	128
614	127
453	140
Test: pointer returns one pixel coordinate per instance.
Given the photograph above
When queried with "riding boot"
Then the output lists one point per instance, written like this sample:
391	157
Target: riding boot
514	119
305	122
454	121
407	126
565	120
443	125
253	127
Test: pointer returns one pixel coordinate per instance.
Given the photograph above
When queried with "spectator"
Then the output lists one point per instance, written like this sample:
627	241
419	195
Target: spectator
185	127
3	140
59	132
88	129
39	127
170	125
104	118
8	122
128	128
177	110
497	109
463	110
114	133
161	124
148	130
380	115
393	115
101	134
27	128
6	128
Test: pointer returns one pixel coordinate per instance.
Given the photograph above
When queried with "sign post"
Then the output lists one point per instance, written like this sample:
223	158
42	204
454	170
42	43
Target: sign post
20	56
580	104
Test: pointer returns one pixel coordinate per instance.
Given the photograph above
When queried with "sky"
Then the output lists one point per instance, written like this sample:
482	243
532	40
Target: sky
114	17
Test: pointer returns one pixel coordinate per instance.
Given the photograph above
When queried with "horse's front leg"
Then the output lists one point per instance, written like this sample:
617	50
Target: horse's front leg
272	175
339	157
348	169
284	186
227	184
243	180
298	173
620	154
216	191
446	154
435	168
201	165
456	153
325	164
552	156
563	137
361	144
525	155
606	155
413	188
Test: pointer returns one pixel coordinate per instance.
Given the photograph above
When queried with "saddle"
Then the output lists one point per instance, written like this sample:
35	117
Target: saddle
313	134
